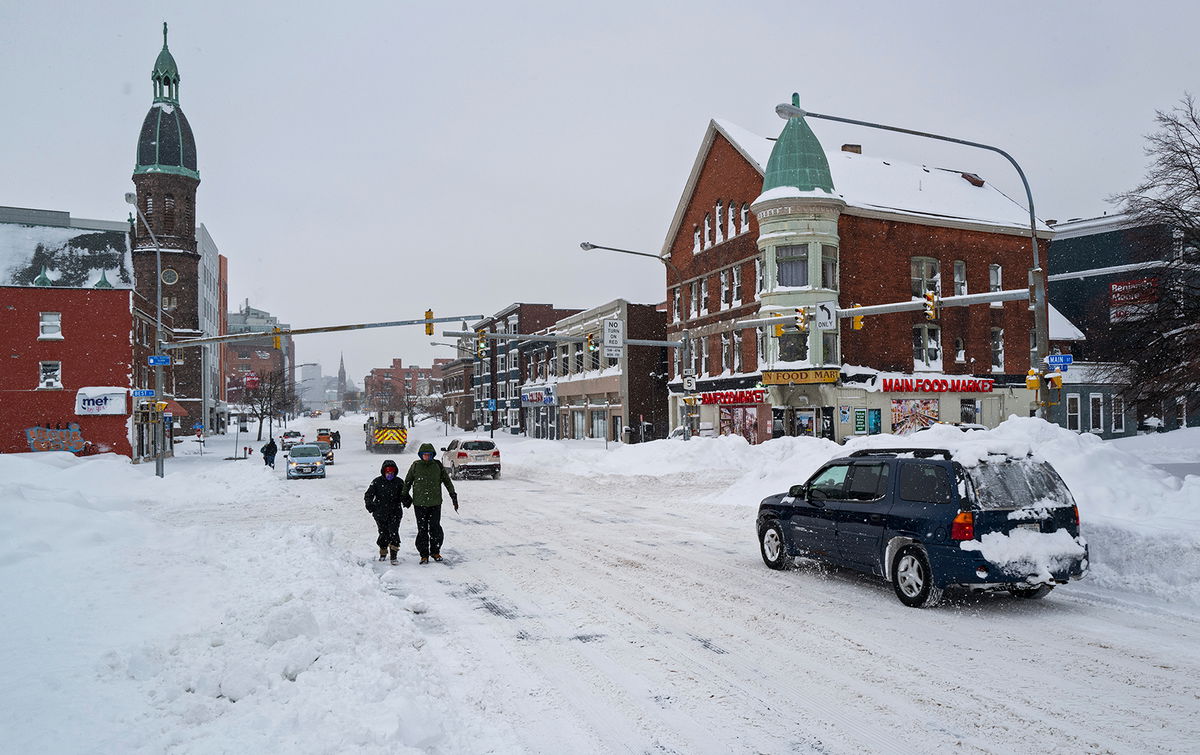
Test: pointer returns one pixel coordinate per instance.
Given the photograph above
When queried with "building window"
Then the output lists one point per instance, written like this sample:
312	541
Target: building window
738	364
243	355
960	278
732	219
50	326
726	298
995	282
707	231
927	347
960	351
1073	411
599	423
49	375
1181	412
704	296
926	276
703	356
829	266
169	214
736	275
719	215
793	347
758	276
997	349
726	352
745	218
791	263
678	362
675	305
695	239
829	347
695	309
761	357
1096	412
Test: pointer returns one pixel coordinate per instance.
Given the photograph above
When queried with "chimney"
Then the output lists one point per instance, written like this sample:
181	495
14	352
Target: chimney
972	179
855	148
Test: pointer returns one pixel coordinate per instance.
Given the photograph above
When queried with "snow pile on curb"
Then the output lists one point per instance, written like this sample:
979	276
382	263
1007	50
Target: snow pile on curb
180	637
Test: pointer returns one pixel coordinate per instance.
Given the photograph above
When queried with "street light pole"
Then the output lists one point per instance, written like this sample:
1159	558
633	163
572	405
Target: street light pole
131	198
1037	276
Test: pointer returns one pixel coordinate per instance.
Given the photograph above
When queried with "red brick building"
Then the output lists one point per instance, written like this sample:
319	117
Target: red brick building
398	386
765	226
71	357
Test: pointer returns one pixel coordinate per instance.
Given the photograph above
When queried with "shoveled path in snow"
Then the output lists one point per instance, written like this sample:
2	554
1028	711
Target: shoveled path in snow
620	614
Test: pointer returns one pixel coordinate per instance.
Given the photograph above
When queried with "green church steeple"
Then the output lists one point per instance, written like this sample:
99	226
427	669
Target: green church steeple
166	74
798	160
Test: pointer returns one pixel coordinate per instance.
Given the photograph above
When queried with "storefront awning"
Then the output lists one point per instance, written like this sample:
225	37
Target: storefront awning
175	408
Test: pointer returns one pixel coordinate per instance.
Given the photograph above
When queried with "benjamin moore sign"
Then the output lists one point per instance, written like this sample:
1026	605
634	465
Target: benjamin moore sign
799	377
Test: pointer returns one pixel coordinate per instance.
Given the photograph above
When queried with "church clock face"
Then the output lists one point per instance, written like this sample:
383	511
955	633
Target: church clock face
170	277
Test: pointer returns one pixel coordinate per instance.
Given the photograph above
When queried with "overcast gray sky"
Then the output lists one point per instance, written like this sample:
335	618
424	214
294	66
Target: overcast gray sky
362	161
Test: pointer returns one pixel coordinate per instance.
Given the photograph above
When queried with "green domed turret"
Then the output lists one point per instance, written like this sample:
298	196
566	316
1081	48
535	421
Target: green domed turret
798	160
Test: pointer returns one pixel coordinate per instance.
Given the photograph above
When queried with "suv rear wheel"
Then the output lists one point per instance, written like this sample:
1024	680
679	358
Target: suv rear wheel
773	546
913	579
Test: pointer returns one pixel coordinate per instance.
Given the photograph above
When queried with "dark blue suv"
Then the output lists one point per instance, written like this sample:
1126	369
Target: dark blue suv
925	522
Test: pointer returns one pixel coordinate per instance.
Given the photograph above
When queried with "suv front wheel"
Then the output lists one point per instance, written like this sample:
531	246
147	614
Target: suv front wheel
773	546
913	579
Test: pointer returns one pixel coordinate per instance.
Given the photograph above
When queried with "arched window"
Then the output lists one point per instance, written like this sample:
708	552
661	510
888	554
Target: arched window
960	350
745	217
719	217
169	213
149	205
732	218
707	231
695	239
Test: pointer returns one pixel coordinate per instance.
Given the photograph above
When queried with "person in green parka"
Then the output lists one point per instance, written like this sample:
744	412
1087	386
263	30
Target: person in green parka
424	483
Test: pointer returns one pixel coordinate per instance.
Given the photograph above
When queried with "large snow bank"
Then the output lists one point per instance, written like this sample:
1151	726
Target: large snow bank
178	637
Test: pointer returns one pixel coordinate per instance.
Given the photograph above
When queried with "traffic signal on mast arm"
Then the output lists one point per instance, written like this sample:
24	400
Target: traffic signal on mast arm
429	322
277	342
801	323
589	343
778	328
480	344
857	321
931	305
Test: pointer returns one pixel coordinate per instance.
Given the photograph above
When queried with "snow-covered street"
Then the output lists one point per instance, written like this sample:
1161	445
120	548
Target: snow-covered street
591	601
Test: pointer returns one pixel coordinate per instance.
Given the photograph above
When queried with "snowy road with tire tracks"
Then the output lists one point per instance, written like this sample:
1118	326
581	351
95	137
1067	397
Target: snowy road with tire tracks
619	614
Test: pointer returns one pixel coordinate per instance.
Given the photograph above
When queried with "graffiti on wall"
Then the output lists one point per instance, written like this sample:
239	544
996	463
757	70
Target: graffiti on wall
53	439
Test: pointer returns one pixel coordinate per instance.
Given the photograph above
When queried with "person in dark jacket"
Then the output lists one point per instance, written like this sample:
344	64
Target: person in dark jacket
385	499
424	483
337	439
268	452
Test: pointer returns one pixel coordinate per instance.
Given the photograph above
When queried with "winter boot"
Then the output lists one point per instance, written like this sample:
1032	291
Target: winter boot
437	557
382	553
394	561
424	559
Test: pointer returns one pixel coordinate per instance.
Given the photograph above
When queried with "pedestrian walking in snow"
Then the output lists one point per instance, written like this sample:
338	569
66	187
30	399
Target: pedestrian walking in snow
337	439
385	499
424	483
268	452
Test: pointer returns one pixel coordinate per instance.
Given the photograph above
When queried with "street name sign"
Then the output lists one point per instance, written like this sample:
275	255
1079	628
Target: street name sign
1058	360
157	360
143	393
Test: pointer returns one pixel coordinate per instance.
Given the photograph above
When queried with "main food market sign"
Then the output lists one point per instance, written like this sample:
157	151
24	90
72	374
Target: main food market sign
938	385
799	377
748	396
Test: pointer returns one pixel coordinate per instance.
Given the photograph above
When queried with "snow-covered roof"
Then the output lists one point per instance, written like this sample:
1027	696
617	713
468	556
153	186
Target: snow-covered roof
1062	329
1076	227
874	186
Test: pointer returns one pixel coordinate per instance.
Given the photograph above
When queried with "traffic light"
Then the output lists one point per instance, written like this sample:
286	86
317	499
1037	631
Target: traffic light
277	341
429	322
480	344
801	320
931	305
589	342
1054	379
1031	380
857	321
778	328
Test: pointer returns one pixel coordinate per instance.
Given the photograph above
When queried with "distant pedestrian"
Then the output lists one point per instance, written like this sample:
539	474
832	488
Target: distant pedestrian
424	483
384	499
337	439
268	452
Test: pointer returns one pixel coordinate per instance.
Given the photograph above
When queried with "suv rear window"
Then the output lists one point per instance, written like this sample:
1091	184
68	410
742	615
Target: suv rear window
1018	483
928	483
867	482
478	445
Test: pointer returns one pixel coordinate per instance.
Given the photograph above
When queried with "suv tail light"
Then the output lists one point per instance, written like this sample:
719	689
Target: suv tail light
496	453
1075	514
462	454
963	527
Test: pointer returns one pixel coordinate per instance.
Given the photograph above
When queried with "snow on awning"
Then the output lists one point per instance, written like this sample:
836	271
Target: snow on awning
1062	329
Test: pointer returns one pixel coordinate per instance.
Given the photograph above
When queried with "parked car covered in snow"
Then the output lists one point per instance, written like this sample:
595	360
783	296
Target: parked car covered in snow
472	457
925	522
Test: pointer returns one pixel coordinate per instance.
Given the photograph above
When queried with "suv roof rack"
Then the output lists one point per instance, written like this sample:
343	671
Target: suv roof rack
920	453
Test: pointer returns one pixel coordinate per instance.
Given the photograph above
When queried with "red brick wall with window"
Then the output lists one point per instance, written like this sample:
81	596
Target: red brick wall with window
95	350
